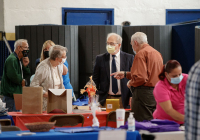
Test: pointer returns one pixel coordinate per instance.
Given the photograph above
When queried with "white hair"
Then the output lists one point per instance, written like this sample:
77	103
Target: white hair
56	51
19	43
119	38
140	37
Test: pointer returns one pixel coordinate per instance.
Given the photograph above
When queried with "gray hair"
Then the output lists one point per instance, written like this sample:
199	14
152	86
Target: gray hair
56	51
19	43
119	38
140	37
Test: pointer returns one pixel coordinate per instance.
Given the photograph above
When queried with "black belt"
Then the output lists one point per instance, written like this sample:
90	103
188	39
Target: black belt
143	87
115	95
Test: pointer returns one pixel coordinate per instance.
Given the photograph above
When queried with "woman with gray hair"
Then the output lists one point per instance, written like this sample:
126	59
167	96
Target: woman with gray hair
49	72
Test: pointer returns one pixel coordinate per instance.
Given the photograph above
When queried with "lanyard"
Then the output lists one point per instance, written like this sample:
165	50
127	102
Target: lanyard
21	68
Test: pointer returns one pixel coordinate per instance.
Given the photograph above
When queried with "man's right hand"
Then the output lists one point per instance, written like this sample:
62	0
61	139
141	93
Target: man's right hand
118	75
25	61
23	83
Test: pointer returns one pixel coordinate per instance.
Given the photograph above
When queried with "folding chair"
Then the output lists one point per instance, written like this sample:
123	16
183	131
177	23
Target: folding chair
10	128
112	116
67	120
5	122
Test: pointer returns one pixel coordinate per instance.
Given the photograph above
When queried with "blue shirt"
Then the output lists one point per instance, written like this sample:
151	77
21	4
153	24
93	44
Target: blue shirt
66	80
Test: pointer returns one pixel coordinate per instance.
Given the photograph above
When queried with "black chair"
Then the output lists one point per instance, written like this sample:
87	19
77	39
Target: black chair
5	122
67	120
112	116
10	128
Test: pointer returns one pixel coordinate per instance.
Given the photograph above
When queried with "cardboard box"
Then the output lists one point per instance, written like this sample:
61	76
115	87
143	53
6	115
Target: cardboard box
112	104
18	101
81	107
32	100
59	99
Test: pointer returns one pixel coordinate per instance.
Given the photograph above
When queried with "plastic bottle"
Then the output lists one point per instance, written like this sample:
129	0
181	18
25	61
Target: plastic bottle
131	122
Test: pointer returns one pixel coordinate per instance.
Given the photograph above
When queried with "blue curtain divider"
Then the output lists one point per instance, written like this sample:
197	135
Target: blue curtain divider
183	44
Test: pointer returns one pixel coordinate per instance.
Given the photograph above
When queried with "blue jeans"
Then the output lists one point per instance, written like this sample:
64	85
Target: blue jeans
10	104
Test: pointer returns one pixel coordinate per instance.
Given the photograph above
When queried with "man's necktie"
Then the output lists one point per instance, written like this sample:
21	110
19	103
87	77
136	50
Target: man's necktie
114	81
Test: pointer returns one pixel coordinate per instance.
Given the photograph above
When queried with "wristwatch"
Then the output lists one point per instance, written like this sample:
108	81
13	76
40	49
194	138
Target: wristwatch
125	74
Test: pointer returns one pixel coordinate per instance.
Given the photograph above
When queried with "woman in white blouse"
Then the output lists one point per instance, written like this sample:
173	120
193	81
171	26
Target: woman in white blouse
49	72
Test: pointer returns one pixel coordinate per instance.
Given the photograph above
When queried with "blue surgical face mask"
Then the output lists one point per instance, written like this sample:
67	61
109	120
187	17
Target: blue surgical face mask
177	80
134	51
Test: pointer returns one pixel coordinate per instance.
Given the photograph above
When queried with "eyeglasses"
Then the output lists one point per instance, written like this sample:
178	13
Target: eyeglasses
111	43
27	48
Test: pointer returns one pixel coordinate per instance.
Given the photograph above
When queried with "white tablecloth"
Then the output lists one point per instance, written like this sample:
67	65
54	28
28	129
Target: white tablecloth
176	135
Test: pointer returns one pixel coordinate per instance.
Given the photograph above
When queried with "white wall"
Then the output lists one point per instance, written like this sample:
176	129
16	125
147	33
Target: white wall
1	16
138	12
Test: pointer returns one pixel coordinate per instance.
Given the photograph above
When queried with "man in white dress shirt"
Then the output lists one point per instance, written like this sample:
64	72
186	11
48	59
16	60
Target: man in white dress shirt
112	61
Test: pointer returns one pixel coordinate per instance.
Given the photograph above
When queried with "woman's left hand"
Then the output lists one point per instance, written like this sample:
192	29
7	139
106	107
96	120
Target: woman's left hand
45	95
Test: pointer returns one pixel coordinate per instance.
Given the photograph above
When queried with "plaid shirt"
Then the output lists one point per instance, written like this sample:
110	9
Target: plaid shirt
192	104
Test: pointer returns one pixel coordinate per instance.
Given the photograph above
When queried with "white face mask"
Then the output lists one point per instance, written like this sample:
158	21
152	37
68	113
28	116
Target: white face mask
63	60
110	49
133	49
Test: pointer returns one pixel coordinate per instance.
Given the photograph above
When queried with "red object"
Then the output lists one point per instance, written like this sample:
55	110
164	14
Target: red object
20	119
90	89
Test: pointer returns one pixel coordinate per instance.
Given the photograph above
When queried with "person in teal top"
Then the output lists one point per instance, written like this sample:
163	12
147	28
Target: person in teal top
15	71
66	81
37	62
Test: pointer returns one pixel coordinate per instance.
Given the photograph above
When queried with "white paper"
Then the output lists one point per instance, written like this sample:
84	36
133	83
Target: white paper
69	100
26	133
57	91
112	135
175	135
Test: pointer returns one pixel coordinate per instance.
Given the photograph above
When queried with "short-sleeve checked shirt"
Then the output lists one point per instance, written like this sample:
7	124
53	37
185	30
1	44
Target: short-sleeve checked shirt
192	104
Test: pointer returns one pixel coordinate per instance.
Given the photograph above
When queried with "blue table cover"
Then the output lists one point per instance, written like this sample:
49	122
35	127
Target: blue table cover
83	129
52	135
8	117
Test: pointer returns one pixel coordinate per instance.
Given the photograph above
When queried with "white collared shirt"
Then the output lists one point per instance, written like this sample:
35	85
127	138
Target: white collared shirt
117	60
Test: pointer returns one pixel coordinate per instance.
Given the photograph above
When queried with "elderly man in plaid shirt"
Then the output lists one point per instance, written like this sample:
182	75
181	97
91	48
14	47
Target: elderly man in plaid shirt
192	104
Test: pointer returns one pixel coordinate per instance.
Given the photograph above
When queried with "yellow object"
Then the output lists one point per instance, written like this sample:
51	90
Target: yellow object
1	37
10	36
112	104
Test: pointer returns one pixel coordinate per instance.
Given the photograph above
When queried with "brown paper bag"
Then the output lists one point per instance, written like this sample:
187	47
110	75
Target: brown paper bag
18	101
32	100
59	99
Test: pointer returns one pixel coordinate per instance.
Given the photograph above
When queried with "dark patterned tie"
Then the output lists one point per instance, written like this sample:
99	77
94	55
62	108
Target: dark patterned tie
114	81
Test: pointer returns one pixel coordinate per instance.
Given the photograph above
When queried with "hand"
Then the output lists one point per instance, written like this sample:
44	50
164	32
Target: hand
25	61
65	70
128	84
45	95
118	75
130	100
23	83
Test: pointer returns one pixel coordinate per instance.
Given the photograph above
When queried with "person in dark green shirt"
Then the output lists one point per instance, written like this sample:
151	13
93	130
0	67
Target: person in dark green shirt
14	72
